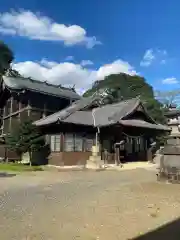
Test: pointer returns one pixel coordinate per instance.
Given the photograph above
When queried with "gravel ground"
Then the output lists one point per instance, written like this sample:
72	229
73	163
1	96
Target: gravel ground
85	205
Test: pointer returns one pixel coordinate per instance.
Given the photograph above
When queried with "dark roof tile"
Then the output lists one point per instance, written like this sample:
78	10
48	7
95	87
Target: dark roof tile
100	116
143	124
20	83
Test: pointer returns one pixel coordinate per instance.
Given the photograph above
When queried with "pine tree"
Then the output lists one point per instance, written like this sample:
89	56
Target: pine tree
26	138
6	57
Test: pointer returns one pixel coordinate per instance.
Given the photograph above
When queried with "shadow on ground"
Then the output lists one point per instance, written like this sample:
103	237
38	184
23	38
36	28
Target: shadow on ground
166	232
4	174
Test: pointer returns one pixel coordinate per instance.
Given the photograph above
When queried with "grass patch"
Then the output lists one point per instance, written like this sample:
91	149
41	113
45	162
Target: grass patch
18	167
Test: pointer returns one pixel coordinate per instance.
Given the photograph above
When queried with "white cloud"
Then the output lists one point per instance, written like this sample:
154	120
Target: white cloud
39	27
148	58
115	67
152	55
171	80
68	74
86	62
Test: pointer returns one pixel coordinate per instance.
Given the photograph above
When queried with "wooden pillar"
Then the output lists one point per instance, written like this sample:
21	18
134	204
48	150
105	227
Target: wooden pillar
117	155
29	106
11	110
62	142
3	119
84	143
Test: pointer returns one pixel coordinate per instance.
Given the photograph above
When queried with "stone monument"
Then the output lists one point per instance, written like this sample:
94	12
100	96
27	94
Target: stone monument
94	161
169	166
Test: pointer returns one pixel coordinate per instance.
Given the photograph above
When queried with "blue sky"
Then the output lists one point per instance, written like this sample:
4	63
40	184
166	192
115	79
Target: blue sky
76	42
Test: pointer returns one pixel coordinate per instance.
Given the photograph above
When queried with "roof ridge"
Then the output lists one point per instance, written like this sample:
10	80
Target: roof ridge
21	83
122	101
42	82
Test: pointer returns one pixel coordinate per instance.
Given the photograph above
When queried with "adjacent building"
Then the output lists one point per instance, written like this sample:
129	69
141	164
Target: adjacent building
24	98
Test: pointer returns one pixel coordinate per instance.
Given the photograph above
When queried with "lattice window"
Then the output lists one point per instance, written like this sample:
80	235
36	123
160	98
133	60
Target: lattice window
69	142
55	143
78	143
142	144
136	144
129	145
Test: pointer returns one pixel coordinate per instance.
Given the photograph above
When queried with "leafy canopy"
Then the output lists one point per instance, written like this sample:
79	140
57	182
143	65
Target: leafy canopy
6	57
121	86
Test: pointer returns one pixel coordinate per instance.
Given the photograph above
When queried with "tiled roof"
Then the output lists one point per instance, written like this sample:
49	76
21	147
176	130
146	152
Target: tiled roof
20	83
111	113
172	112
81	118
143	124
100	116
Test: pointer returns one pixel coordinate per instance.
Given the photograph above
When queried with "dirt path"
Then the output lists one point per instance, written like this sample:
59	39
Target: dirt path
91	205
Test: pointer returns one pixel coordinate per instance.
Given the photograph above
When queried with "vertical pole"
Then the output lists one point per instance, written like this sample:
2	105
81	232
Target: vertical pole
96	139
98	150
62	142
97	136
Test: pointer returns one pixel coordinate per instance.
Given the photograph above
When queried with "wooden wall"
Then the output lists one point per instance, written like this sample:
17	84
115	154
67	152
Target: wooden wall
68	158
7	154
20	107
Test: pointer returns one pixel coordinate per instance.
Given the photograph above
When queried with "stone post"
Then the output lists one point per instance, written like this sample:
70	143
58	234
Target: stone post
149	155
149	152
94	161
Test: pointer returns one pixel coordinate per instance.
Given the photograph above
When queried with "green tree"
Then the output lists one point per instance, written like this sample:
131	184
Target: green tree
6	57
26	138
122	86
13	73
